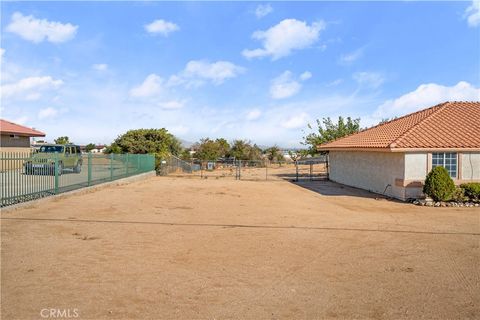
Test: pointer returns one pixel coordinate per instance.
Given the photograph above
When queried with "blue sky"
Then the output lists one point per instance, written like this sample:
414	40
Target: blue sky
251	70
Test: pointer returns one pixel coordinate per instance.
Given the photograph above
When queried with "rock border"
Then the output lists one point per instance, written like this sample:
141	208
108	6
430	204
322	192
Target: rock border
431	203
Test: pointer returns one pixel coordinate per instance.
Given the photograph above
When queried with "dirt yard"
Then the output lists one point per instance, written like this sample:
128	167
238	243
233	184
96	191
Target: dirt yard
212	249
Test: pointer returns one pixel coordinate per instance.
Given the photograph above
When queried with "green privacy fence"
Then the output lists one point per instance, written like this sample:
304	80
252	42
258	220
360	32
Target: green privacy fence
28	176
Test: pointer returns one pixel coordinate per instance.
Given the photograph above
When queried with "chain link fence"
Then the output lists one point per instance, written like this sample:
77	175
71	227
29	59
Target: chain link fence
254	170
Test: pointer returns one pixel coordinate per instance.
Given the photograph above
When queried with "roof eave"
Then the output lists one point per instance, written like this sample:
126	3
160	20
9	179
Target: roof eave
23	134
354	149
423	149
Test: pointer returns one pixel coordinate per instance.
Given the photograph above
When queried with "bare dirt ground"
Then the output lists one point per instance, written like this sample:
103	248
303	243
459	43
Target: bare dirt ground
188	248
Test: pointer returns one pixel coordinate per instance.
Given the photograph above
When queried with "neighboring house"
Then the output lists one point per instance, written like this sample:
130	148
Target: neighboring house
99	149
36	144
16	138
393	158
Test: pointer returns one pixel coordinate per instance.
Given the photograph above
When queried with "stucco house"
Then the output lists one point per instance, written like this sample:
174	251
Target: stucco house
393	158
15	137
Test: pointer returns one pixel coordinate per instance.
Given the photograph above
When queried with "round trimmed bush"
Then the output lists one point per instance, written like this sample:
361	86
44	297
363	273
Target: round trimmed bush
438	185
472	190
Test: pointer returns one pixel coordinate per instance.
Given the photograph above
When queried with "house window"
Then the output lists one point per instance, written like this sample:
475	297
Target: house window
448	160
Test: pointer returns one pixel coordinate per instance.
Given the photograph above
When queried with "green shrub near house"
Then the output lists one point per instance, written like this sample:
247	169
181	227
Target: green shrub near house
459	194
438	185
472	190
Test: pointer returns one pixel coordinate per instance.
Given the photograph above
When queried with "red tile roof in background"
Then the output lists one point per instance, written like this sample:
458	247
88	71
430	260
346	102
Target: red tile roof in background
7	127
449	125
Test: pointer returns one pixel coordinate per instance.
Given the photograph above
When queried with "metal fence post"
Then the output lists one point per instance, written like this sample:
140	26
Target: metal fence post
56	171
266	169
239	169
111	166
89	168
296	170
127	164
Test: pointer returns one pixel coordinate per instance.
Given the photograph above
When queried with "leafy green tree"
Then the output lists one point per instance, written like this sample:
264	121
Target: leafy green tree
89	147
274	154
186	155
208	150
327	131
157	141
239	149
254	153
224	147
113	148
62	140
244	150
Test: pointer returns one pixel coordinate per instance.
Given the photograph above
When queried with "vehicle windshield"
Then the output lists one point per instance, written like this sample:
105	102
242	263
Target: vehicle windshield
51	149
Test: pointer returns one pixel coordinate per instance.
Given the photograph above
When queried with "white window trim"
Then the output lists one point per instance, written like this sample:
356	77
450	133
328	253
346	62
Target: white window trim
443	165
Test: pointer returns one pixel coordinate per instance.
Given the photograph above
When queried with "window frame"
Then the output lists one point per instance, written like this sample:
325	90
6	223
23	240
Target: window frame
448	160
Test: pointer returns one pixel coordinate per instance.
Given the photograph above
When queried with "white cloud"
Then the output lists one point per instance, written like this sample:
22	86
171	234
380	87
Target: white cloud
151	86
2	51
217	72
47	113
253	114
161	27
30	88
179	130
368	79
172	104
20	120
334	83
472	13
288	35
195	74
38	30
351	57
285	85
100	66
305	76
296	121
427	95
262	10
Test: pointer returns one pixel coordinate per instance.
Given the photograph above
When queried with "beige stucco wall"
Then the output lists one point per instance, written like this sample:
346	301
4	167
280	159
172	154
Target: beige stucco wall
373	171
470	166
416	169
404	172
416	166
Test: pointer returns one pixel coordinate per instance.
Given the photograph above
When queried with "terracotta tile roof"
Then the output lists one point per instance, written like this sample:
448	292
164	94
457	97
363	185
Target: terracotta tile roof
449	125
7	127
